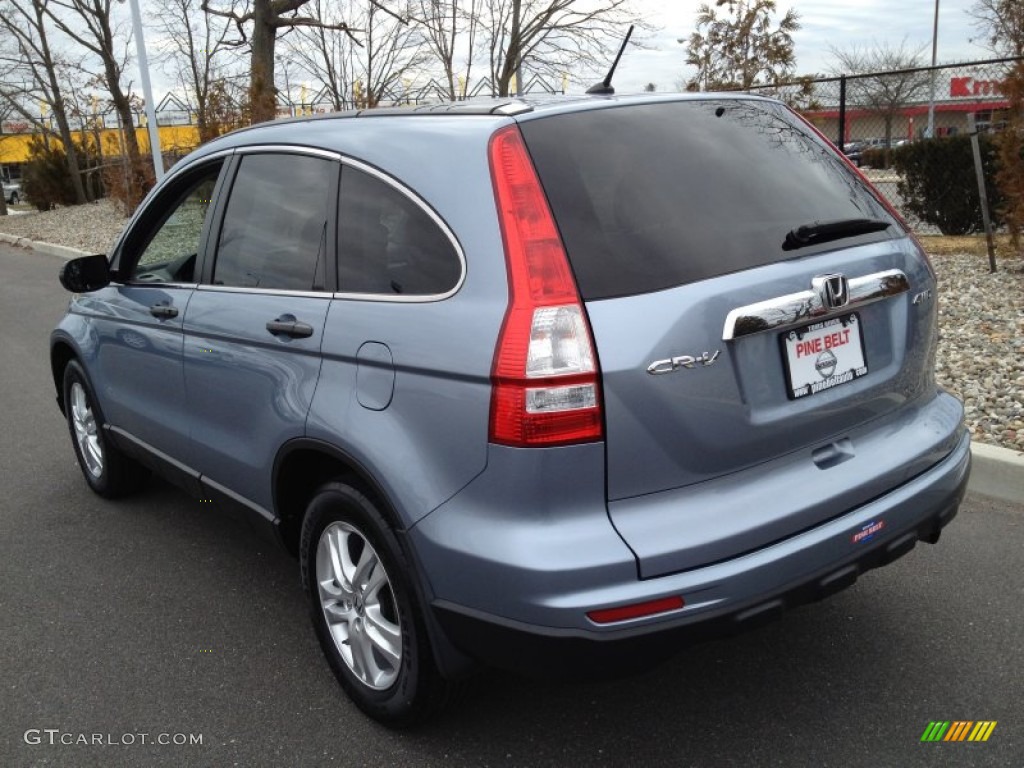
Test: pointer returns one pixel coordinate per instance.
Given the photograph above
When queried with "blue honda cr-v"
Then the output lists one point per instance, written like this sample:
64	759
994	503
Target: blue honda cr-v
555	386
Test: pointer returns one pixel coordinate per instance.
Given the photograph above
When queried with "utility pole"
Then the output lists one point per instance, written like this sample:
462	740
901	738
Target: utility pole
931	95
979	172
515	43
147	91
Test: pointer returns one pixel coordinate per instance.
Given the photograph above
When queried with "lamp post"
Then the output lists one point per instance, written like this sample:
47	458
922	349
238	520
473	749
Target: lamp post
147	91
516	33
931	93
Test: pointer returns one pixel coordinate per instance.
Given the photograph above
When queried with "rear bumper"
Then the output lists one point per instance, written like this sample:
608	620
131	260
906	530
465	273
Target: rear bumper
720	599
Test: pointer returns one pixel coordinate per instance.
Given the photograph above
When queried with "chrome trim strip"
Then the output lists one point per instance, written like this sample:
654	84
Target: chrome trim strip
396	298
806	306
131	284
295	149
267	291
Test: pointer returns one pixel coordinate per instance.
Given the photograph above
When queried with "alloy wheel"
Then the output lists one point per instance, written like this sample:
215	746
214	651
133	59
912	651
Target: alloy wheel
359	605
83	420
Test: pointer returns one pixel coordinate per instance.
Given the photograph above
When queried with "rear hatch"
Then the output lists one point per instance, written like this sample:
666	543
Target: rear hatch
749	296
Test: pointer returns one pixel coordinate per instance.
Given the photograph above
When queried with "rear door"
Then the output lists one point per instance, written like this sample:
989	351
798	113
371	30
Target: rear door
725	341
254	326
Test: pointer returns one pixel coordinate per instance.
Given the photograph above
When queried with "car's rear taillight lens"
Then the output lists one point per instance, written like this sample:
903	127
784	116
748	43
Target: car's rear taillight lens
545	388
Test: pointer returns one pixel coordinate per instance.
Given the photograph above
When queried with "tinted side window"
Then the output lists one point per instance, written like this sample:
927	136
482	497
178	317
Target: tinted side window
653	196
170	242
274	231
388	244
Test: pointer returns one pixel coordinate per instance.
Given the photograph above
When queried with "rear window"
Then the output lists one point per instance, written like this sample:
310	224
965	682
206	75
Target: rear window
659	195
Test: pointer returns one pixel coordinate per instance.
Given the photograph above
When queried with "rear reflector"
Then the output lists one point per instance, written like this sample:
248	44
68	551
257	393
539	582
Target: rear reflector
636	611
545	387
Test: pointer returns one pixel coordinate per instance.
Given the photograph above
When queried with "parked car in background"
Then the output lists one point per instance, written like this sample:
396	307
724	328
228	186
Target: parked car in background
12	192
553	385
853	150
881	143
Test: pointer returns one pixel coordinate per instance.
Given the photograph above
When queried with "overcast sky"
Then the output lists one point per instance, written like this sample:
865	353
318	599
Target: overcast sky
840	23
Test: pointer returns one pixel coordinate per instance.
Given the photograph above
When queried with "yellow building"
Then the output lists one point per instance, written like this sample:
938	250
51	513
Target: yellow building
175	141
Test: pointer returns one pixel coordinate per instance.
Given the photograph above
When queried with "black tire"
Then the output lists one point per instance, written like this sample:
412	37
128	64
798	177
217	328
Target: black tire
406	691
14	198
106	469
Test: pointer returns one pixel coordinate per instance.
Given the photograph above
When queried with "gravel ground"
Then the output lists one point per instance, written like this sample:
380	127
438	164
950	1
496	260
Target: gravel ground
981	317
981	347
92	227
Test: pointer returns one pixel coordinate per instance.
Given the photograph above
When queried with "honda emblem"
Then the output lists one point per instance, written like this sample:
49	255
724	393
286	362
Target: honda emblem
834	290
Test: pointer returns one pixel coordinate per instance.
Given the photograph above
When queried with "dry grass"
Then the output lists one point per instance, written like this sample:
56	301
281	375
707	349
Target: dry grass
940	245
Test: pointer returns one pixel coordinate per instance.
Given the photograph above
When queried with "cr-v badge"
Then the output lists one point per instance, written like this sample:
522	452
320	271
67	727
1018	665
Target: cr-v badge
671	364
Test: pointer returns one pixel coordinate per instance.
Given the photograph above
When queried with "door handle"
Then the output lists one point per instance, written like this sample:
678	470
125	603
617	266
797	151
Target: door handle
163	311
290	327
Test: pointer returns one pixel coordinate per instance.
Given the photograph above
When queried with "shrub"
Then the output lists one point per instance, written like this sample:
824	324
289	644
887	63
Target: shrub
939	186
46	180
115	180
873	158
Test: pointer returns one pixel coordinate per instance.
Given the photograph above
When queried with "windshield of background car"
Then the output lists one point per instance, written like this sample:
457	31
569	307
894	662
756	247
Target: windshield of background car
654	196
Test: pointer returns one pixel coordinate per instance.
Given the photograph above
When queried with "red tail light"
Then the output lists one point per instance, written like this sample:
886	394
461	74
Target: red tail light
545	388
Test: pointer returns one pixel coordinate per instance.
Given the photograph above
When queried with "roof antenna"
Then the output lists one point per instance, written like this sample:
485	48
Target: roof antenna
604	88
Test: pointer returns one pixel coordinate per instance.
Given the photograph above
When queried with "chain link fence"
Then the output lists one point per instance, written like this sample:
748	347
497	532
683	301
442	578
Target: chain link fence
908	131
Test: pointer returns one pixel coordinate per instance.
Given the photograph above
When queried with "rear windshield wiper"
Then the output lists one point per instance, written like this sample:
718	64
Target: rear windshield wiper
824	231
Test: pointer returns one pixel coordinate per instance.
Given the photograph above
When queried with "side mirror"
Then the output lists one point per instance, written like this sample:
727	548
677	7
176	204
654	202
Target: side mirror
85	274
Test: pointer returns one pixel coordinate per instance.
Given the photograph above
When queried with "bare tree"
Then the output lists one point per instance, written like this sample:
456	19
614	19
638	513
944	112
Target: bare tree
798	93
367	65
192	46
391	48
884	80
90	24
550	36
741	48
30	72
450	26
268	18
1001	23
325	53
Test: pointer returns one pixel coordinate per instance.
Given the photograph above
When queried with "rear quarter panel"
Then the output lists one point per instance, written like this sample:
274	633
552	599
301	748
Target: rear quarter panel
430	439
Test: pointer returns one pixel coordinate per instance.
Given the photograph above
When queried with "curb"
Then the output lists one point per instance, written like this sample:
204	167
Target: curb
52	249
996	472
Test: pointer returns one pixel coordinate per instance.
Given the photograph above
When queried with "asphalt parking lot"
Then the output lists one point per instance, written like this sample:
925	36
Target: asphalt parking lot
155	616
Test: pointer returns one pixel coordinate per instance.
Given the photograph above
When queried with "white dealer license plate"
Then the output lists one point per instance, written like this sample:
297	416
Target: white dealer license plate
823	355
